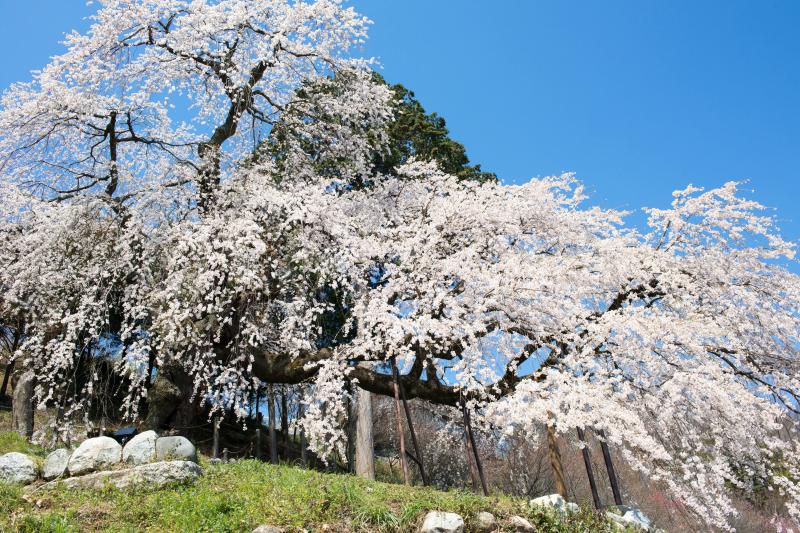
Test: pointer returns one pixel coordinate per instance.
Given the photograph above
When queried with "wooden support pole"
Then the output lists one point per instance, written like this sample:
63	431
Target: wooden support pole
471	463
473	448
417	451
303	452
398	415
555	461
258	444
284	418
612	475
350	451
7	378
258	406
215	445
587	461
18	333
273	438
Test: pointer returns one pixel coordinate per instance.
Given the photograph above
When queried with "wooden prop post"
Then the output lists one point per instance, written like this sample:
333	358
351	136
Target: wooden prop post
258	423
473	459
303	452
612	476
273	438
417	458
396	386
215	445
587	461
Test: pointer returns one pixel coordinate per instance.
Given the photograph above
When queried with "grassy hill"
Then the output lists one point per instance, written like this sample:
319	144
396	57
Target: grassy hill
242	495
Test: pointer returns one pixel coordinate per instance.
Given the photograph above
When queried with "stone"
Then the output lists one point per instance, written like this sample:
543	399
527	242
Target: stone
17	468
22	405
94	454
175	448
55	464
485	522
520	524
627	516
166	473
267	529
141	449
440	522
153	475
557	502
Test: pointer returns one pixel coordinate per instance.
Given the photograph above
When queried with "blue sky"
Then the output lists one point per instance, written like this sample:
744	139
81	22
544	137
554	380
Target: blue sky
639	97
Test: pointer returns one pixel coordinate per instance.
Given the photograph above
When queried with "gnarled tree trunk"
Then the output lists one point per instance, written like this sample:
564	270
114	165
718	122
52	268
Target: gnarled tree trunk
555	461
22	406
365	456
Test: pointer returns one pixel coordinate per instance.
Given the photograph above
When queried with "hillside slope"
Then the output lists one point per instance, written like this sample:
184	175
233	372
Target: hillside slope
237	497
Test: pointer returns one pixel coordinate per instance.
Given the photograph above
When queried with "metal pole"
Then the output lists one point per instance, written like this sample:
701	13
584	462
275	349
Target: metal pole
403	460
587	461
612	476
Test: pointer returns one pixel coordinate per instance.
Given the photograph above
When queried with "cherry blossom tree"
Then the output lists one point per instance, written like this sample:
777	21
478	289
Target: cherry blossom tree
194	184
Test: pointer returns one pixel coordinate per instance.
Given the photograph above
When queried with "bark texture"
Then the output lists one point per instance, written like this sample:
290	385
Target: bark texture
22	405
365	457
555	462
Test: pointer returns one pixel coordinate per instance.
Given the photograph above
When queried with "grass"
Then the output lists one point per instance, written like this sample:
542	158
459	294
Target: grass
12	442
240	496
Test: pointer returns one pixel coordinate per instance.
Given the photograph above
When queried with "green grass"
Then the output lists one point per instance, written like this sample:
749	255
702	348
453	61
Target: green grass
240	496
12	442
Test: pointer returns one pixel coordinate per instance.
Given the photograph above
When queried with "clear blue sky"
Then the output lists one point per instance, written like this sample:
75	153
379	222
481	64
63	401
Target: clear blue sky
639	97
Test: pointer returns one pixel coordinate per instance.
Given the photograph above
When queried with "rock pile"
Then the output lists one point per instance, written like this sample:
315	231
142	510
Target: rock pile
147	459
442	522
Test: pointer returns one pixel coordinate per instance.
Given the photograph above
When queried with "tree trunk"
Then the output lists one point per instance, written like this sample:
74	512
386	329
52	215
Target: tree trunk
365	456
273	438
22	405
170	404
555	461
